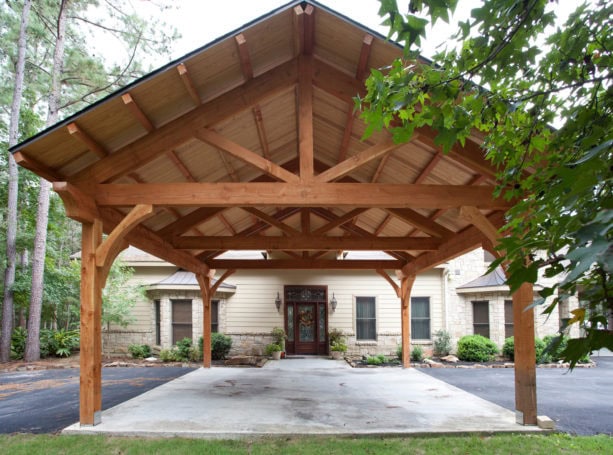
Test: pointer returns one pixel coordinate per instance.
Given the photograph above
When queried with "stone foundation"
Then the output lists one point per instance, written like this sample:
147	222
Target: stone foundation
249	343
116	342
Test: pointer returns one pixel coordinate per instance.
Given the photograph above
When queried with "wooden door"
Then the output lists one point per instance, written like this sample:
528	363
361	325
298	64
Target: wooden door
306	320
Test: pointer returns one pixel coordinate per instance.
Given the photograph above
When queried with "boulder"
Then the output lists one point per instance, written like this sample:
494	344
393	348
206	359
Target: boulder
241	360
450	358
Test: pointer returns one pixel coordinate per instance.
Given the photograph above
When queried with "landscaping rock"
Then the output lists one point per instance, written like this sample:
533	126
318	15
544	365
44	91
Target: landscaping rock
450	358
241	360
152	359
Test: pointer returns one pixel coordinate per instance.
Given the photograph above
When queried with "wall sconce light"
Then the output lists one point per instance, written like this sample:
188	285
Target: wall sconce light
278	302
333	303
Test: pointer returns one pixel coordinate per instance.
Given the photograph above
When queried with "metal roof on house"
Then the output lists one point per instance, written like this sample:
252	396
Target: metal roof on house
184	278
493	279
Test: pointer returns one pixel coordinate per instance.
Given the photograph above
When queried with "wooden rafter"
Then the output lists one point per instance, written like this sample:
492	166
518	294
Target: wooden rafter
291	195
342	152
77	132
305	117
380	168
243	55
382	225
306	243
362	68
357	160
247	156
339	221
188	83
226	223
272	221
180	166
24	160
229	168
429	168
190	220
420	222
137	112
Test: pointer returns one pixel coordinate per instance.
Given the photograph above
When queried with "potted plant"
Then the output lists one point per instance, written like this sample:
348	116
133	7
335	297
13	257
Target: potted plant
338	345
274	350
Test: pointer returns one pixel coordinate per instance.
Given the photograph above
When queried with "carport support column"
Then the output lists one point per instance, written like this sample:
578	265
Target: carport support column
90	384
204	281
525	364
406	284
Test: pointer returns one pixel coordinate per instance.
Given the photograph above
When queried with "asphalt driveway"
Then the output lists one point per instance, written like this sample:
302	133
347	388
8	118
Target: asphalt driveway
578	401
46	401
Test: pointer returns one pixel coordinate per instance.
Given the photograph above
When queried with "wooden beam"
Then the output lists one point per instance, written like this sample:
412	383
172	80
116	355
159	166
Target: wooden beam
148	241
357	160
271	220
172	155
384	223
421	222
342	152
185	223
26	161
525	366
460	243
474	216
221	279
304	264
90	373
309	30
305	221
226	223
76	132
380	168
305	243
362	68
188	83
204	281
137	112
298	24
429	168
335	82
305	117
259	123
389	279
299	195
243	55
247	156
406	286
339	221
231	172
78	205
180	130
107	251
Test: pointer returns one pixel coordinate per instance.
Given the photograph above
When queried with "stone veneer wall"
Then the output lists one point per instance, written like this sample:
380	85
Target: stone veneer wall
116	342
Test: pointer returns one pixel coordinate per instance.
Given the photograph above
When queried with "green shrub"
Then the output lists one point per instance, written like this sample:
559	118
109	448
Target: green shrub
220	346
182	349
278	337
335	335
338	346
442	343
554	349
476	348
168	355
508	348
417	354
272	347
139	351
376	359
399	352
18	343
58	343
195	354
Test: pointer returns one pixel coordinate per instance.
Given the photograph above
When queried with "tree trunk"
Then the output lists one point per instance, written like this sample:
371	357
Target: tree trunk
13	183
32	352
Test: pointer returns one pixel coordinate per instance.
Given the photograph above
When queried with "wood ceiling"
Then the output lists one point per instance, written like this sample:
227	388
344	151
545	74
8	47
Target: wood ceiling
252	143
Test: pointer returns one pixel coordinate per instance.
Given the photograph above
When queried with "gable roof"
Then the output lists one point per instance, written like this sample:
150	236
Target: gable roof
251	143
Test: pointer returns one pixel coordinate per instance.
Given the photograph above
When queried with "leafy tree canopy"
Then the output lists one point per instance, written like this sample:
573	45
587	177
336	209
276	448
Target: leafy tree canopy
510	72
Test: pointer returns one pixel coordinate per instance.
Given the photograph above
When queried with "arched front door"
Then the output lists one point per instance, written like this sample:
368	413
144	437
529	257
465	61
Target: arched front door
306	319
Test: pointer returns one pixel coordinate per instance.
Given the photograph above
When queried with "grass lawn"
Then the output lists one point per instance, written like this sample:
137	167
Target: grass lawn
503	444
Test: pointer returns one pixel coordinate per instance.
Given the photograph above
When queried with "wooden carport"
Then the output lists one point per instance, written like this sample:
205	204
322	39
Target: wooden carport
252	142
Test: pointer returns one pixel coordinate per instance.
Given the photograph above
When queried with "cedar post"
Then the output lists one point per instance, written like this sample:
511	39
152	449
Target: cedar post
90	383
405	297
205	288
525	363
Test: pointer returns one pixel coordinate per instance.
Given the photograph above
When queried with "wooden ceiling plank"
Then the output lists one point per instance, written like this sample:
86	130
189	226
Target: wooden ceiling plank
305	264
275	194
78	205
259	123
229	168
298	24
188	221
271	220
247	156
137	112
188	83
339	221
305	242
179	165
309	30
362	68
305	117
180	130
357	160
243	55
421	222
305	220
383	223
77	132
342	152
26	161
380	168
226	223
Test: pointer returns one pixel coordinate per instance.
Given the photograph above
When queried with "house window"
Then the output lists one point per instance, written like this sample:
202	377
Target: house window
158	317
420	318
508	318
181	320
365	318
481	318
214	316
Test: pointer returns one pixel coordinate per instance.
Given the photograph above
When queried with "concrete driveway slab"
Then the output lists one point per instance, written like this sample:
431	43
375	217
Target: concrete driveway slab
301	397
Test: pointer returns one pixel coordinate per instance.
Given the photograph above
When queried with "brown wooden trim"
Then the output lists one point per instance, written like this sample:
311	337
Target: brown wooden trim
304	264
188	83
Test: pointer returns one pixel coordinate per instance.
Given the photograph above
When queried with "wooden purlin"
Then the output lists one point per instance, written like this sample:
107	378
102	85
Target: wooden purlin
75	131
304	264
137	112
